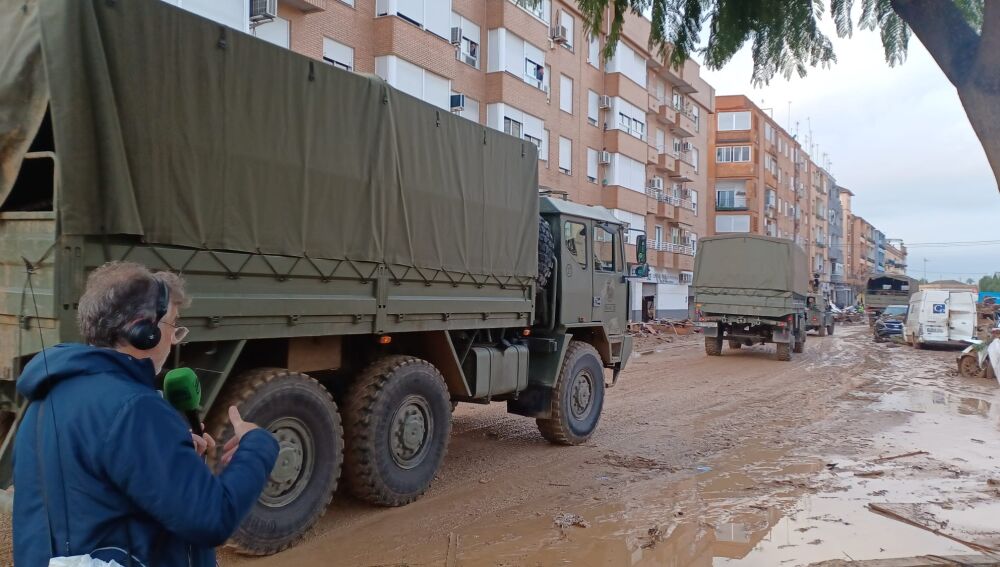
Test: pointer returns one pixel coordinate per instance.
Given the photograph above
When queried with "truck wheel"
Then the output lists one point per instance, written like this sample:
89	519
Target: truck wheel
397	420
546	253
800	346
713	346
968	366
577	398
302	415
917	344
784	352
829	330
821	330
735	344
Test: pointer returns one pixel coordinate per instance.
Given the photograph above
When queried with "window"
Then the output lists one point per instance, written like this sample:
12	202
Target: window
591	165
593	107
575	240
414	80
630	118
658	234
566	21
512	127
470	110
275	31
629	63
635	224
769	133
534	72
565	155
431	15
338	54
693	196
538	8
695	158
604	249
594	51
565	94
624	171
696	117
543	152
730	154
468	49
678	100
771	164
734	121
769	197
675	235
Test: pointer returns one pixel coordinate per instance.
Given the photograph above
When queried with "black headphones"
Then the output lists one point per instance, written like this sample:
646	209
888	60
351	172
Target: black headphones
145	334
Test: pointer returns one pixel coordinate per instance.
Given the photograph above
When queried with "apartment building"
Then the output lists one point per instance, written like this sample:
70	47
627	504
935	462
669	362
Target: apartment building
629	133
895	259
840	290
865	256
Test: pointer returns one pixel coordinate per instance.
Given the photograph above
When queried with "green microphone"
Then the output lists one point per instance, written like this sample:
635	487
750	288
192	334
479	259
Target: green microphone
182	389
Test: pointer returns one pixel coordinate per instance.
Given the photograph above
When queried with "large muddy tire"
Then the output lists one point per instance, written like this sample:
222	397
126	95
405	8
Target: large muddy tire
917	344
546	253
577	398
800	346
784	351
821	330
302	415
735	344
713	346
397	421
968	366
829	330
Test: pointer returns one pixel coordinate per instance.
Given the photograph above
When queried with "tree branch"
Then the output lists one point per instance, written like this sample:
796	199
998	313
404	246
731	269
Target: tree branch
988	55
943	30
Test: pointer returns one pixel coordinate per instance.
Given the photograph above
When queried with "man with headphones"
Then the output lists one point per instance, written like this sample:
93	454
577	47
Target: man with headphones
103	465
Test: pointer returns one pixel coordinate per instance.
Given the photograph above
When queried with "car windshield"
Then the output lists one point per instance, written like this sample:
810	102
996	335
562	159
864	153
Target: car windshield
895	310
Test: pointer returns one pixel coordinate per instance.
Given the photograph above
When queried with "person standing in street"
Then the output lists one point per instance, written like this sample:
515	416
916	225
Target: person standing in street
103	465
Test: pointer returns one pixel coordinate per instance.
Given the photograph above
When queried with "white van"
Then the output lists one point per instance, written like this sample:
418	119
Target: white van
940	316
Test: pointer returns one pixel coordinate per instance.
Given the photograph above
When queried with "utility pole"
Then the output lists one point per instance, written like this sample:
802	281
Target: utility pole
925	269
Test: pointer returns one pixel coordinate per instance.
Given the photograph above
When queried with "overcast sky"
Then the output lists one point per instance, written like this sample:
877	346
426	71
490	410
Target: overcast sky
900	140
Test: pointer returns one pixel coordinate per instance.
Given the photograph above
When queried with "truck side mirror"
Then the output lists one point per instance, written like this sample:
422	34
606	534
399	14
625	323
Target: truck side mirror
640	249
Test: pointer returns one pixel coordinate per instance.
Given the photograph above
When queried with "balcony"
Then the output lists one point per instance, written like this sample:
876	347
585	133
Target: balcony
685	213
664	205
667	114
684	172
684	125
307	6
667	160
664	246
731	206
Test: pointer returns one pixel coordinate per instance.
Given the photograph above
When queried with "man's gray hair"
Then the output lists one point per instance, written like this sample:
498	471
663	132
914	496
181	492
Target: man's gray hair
118	295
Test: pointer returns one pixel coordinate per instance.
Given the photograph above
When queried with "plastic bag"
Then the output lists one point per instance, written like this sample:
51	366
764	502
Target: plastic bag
81	561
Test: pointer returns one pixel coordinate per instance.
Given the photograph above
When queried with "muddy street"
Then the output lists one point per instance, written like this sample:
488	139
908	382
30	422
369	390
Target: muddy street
738	459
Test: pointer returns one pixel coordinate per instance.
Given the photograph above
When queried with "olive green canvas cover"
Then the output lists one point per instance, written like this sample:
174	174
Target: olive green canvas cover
745	274
183	132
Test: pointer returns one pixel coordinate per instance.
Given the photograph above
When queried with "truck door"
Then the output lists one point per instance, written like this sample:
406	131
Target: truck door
577	282
610	302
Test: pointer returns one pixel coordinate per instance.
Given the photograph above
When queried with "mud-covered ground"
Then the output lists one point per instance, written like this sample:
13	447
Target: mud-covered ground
701	460
732	460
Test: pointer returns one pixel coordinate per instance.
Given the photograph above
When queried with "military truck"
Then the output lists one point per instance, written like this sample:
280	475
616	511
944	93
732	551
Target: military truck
819	316
882	290
749	290
359	260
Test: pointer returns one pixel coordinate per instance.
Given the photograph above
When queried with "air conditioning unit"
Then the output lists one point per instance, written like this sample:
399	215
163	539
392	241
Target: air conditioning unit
604	101
263	10
457	102
656	183
686	146
456	36
559	34
603	158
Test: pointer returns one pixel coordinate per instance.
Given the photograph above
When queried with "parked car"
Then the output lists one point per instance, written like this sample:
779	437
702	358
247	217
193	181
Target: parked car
941	316
890	323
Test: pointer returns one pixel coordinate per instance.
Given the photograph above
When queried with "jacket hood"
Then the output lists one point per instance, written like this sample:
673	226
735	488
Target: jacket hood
65	361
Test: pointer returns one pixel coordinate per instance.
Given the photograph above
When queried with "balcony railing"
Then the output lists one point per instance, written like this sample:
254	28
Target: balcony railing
664	246
662	197
724	207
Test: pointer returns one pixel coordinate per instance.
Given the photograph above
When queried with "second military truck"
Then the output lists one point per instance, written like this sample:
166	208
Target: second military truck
359	260
749	290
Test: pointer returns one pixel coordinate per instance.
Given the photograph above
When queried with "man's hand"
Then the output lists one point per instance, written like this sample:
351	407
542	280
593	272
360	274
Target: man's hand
203	443
240	428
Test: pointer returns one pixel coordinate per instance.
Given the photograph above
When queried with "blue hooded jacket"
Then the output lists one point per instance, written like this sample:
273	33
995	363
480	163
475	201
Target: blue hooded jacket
114	465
